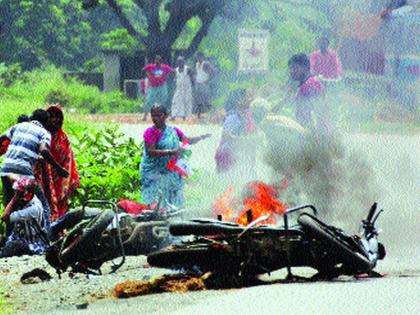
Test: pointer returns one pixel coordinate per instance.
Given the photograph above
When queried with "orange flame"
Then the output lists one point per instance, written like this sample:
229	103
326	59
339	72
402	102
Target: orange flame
224	205
261	199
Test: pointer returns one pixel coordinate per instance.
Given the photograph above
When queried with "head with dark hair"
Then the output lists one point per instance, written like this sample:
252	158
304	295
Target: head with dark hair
158	59
396	4
23	118
180	61
235	99
40	115
299	67
200	56
159	114
56	118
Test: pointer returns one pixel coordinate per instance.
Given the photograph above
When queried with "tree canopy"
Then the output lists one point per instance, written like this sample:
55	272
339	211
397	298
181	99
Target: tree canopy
158	24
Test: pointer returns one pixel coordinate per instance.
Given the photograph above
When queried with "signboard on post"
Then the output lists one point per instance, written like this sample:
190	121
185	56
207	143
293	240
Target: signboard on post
253	51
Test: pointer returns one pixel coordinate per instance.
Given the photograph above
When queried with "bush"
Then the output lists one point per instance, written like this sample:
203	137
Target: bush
9	74
108	165
57	97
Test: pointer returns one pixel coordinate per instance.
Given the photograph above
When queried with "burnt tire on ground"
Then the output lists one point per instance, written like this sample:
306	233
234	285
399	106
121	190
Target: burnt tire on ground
353	261
85	244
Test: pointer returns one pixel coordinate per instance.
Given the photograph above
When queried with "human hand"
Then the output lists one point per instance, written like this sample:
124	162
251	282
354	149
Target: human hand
179	151
5	216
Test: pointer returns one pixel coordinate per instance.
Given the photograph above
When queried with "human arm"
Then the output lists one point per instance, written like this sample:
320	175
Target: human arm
6	213
4	144
46	155
167	68
148	68
151	137
194	140
312	63
209	69
4	138
339	67
31	211
153	152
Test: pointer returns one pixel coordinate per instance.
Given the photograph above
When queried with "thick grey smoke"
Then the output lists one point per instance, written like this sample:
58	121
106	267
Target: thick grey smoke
322	171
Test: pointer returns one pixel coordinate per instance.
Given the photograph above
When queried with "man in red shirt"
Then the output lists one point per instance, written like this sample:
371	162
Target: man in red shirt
325	62
157	90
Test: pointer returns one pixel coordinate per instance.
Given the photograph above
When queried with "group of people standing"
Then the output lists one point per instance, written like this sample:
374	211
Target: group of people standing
192	87
236	154
316	76
38	176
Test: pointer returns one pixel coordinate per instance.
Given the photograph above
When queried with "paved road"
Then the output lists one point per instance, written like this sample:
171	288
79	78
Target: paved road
395	162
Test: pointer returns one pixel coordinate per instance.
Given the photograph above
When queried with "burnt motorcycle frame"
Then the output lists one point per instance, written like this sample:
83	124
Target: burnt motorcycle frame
68	252
219	246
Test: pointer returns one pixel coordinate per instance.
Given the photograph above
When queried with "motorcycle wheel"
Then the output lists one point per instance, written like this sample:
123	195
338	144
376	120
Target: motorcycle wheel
352	260
85	243
187	257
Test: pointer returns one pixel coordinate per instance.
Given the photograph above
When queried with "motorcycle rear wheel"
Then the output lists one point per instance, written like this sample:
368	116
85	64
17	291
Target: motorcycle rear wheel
353	261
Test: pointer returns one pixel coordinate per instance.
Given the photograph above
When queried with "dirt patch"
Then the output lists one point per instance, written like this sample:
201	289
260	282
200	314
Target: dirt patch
166	283
215	117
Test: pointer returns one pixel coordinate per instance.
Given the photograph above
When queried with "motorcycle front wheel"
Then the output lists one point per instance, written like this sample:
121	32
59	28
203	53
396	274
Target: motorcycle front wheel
354	261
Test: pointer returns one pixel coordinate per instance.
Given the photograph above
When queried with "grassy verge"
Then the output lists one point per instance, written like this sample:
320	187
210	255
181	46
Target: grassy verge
49	86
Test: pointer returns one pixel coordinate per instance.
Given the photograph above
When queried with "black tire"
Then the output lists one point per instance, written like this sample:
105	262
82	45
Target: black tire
84	245
353	261
186	257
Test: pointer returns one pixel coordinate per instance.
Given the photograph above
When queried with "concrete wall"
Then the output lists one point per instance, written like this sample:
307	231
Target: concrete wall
111	72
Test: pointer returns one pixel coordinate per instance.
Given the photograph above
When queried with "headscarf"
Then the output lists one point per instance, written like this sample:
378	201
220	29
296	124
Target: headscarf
58	189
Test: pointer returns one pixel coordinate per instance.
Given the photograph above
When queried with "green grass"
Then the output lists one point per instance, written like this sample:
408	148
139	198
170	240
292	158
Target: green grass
49	86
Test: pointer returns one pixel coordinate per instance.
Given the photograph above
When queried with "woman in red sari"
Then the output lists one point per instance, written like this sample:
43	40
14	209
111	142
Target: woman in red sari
58	190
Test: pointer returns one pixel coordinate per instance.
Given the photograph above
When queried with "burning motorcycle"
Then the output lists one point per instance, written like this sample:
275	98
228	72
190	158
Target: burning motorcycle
240	252
85	239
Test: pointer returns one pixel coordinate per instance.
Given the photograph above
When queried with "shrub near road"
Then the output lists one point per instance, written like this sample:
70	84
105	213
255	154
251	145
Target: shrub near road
108	164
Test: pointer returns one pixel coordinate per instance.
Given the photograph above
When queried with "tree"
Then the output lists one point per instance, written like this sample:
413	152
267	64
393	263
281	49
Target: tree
162	22
38	32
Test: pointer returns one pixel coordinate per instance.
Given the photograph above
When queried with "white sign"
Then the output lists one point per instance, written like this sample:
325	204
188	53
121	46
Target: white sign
253	50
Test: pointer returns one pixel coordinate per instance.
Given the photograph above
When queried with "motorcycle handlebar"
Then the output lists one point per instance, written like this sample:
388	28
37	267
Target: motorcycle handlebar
371	213
291	210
